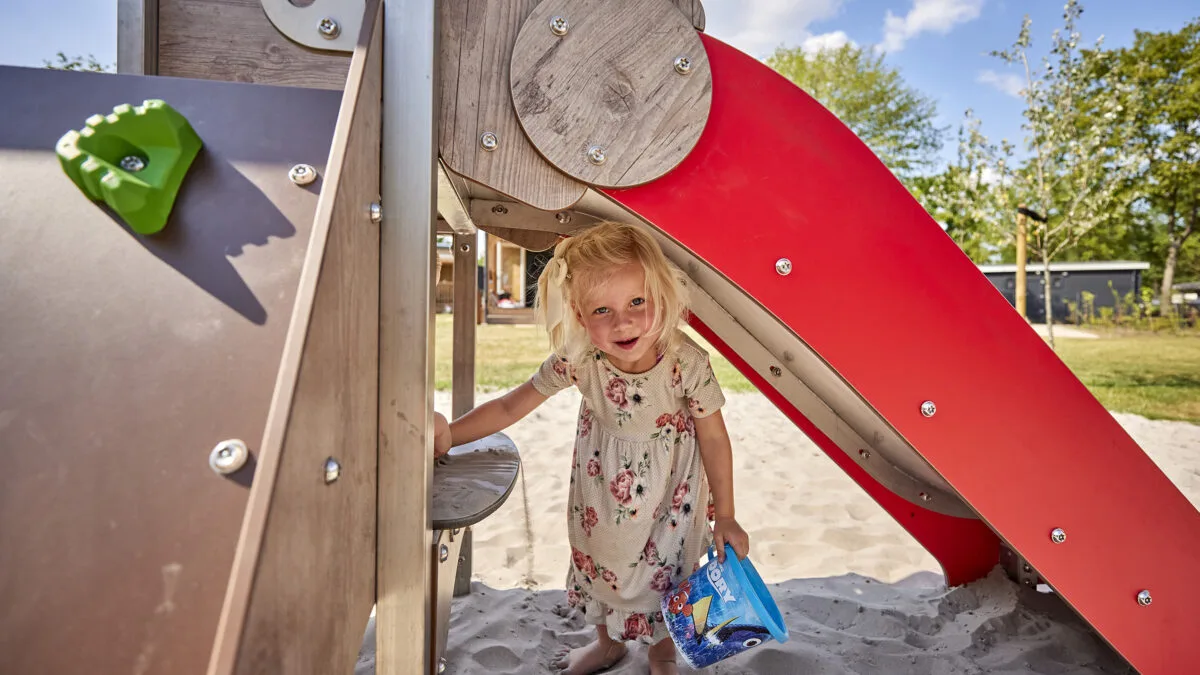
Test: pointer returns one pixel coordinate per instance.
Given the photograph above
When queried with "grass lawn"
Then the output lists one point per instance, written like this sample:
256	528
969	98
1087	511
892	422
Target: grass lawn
1157	375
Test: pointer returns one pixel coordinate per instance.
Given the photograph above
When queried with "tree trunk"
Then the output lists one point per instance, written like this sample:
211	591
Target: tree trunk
1164	301
1047	290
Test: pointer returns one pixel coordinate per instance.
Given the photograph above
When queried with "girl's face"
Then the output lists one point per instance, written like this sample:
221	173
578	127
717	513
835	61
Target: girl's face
618	315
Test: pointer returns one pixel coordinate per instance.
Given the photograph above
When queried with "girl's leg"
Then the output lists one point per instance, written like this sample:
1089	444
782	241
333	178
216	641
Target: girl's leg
602	654
662	658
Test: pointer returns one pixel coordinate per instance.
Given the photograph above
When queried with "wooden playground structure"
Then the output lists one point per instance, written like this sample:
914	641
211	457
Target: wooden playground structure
217	437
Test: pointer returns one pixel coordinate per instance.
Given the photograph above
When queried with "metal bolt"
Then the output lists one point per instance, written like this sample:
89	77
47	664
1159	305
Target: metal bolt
783	266
683	65
596	155
443	553
500	209
559	26
133	163
333	470
1058	535
465	248
1144	598
328	28
925	497
1027	568
776	371
441	666
376	212
928	409
563	217
228	456
489	140
302	174
865	454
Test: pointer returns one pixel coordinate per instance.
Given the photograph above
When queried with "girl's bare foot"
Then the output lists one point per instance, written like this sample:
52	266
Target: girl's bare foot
597	656
662	658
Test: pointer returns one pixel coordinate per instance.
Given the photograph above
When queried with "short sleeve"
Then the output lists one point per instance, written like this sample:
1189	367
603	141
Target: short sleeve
704	395
554	375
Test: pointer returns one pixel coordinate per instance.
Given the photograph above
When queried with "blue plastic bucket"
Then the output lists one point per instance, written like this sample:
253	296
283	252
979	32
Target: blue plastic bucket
721	610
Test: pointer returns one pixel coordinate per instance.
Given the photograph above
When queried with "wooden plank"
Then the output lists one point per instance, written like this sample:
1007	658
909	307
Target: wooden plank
693	10
633	116
466	296
473	480
137	37
303	579
125	359
233	40
477	37
404	637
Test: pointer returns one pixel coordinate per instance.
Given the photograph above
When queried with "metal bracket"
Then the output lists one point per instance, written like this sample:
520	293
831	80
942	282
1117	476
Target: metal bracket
325	24
1017	568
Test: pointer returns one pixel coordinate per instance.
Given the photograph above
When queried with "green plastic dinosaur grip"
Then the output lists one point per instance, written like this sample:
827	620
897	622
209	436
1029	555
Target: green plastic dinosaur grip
134	160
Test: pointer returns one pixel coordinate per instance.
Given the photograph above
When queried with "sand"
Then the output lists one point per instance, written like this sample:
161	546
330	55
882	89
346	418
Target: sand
859	595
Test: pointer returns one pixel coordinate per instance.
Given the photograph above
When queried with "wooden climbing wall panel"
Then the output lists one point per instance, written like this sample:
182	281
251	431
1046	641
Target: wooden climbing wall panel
125	359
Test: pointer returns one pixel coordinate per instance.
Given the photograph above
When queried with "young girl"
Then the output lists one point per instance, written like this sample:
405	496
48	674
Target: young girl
650	442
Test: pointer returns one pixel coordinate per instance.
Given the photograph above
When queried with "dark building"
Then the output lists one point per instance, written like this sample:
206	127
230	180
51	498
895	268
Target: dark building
1069	280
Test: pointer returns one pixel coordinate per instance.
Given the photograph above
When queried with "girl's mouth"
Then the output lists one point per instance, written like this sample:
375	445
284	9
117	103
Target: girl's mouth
627	344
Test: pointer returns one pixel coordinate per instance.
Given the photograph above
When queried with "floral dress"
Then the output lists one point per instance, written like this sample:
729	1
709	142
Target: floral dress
635	523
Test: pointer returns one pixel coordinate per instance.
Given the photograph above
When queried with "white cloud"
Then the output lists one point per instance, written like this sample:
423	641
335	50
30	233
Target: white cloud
937	16
757	27
1005	82
834	40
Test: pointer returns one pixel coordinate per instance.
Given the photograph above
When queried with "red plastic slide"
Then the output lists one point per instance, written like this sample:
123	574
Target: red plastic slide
1016	434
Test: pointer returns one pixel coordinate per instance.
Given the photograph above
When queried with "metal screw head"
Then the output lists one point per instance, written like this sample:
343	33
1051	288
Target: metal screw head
443	553
559	26
228	456
563	217
1058	535
683	65
596	155
333	470
489	141
500	209
465	248
865	454
328	28
1144	599
302	174
776	371
928	409
783	266
376	212
925	497
441	665
133	163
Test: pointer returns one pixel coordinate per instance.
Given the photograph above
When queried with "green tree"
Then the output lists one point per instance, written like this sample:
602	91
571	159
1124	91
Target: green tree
1157	81
1072	175
872	99
88	63
964	196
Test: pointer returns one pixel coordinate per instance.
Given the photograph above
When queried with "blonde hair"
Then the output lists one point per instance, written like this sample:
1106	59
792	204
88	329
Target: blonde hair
582	262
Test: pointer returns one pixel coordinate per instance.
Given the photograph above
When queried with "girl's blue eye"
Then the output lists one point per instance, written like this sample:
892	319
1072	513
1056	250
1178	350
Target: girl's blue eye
638	301
600	310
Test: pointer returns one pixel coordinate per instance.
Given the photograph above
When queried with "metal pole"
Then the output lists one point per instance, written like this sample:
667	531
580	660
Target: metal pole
404	557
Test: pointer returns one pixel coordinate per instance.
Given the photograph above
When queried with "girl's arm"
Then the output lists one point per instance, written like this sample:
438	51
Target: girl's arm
716	454
485	420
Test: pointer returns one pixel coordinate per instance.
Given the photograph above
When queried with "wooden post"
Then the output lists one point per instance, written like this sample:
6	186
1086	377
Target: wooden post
404	609
463	388
1020	275
137	37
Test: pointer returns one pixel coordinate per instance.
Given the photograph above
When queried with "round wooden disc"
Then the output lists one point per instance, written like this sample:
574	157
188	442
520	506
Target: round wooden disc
610	85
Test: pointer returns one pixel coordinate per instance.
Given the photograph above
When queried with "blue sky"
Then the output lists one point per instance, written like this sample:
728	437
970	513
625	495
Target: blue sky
940	46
